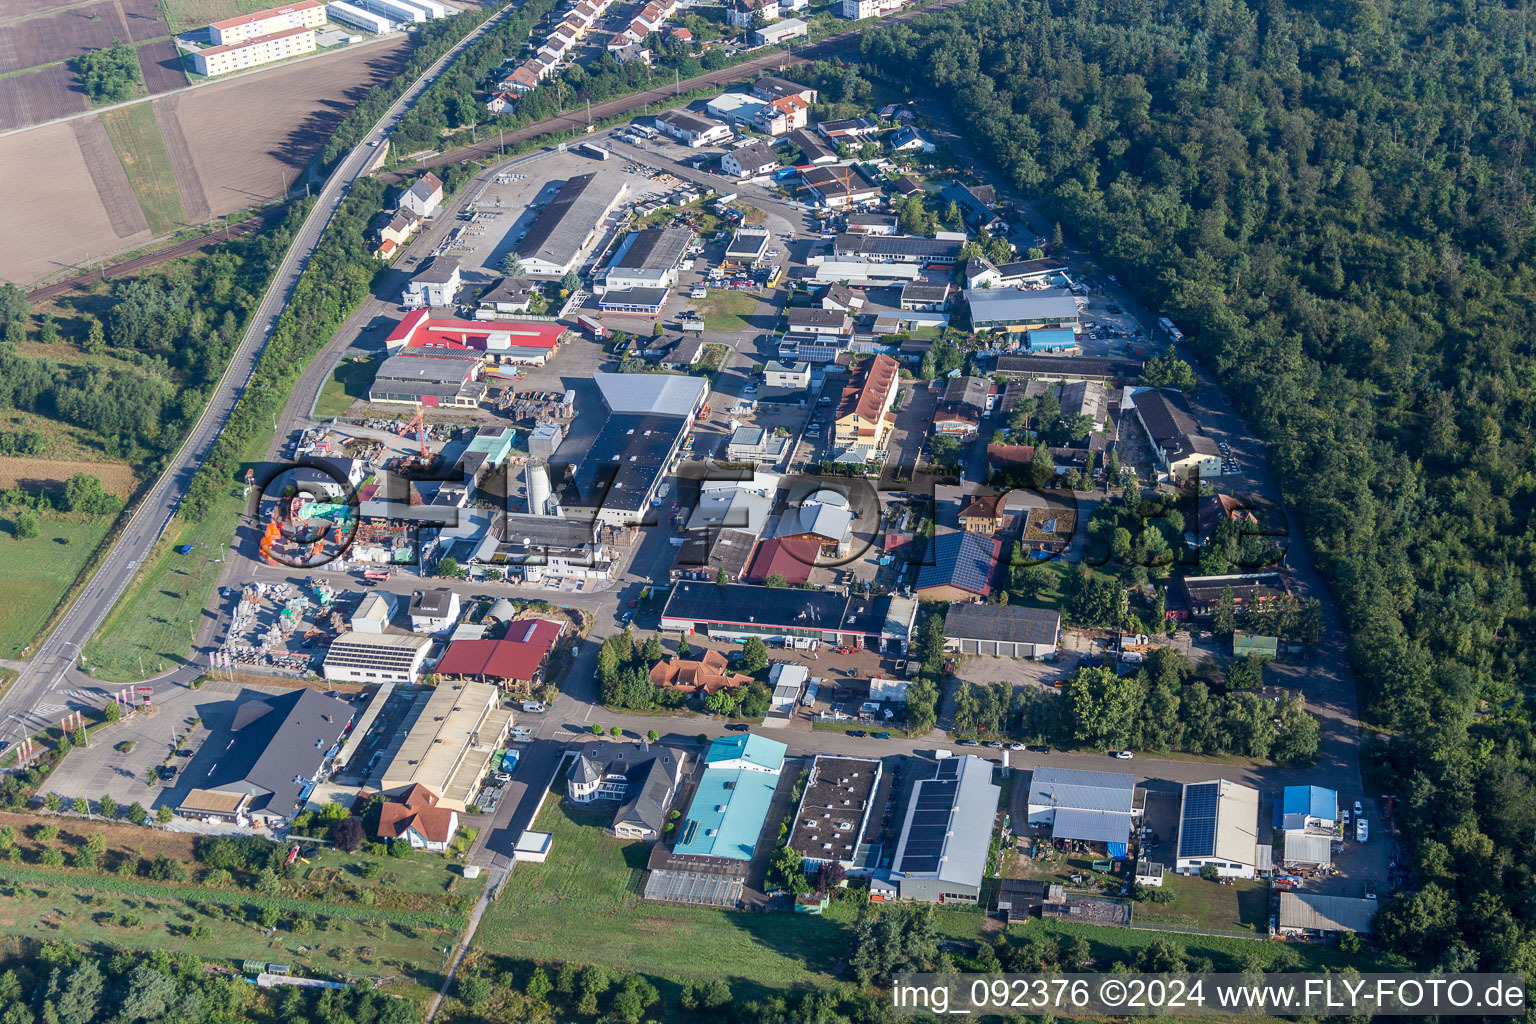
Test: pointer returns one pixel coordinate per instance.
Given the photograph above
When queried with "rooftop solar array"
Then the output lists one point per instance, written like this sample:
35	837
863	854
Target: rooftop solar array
930	823
1197	827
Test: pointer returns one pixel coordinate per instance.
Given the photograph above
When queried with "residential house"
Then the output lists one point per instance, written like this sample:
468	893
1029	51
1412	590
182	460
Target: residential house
961	568
985	514
864	415
925	296
424	196
749	161
415	816
1182	449
786	375
840	297
433	611
699	677
912	140
808	320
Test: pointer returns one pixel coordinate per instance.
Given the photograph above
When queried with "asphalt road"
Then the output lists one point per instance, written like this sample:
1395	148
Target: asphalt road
27	704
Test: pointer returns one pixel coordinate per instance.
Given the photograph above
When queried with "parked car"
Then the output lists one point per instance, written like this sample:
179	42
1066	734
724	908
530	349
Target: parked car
533	707
1016	746
1362	830
1124	755
857	732
968	743
1042	749
996	744
1359	809
737	726
881	735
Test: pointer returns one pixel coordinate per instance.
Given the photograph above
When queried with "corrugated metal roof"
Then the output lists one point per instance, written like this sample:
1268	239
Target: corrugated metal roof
1092	826
1315	912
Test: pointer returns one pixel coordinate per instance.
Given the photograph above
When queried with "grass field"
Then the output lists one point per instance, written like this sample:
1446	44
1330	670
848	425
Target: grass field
155	618
140	147
39	572
727	310
184	15
116	477
348	383
1241	906
583	906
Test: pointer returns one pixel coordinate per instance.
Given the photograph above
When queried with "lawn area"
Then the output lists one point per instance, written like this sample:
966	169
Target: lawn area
582	906
1242	906
1109	943
39	572
156	615
140	147
348	383
190	14
727	310
1052	596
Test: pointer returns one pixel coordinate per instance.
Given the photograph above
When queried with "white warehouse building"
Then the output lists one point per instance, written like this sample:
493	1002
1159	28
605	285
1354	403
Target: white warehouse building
347	14
393	10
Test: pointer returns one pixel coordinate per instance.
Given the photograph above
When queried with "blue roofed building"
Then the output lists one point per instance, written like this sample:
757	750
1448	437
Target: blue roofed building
1053	340
732	798
1309	807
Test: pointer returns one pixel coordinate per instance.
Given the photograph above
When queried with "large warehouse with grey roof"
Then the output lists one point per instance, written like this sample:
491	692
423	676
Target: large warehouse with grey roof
562	231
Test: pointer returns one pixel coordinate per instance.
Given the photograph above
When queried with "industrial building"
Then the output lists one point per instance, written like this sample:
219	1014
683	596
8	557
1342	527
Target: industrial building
858	10
692	130
803	619
449	746
394	10
561	233
1182	449
1088	806
731	800
623	470
749	161
447	379
368	657
1218	826
352	16
254	51
1066	368
304	14
1015	310
881	248
830	824
647	259
282	748
1314	914
941	856
514	661
527	342
1002	630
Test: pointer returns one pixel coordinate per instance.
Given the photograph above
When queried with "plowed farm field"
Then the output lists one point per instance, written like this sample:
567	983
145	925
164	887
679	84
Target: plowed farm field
60	35
34	97
231	145
163	66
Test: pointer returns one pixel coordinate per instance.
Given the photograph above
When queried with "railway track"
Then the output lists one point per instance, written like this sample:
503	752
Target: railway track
130	267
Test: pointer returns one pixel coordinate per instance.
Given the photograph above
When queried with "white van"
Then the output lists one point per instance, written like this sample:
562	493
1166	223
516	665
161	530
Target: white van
533	707
941	754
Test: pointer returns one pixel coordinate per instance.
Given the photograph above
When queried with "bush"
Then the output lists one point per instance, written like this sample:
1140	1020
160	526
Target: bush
164	869
1209	872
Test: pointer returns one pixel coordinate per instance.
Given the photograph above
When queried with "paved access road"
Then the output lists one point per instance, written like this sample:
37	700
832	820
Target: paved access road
26	705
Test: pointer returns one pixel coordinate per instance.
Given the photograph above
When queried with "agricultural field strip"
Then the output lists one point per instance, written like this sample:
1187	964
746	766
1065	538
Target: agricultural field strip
23	875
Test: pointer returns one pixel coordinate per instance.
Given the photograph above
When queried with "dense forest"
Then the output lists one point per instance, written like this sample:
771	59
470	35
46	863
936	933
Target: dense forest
1334	202
168	336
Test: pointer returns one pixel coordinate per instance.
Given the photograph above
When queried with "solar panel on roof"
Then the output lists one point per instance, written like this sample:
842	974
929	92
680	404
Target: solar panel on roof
1197	832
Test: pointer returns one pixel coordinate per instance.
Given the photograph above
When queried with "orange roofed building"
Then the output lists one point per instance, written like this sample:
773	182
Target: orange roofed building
415	817
864	415
708	675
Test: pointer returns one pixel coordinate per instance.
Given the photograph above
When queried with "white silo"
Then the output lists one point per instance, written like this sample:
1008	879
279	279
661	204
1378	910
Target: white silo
538	488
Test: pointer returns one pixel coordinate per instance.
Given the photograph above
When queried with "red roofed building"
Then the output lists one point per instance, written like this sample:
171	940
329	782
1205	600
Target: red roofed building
501	341
1004	457
864	414
790	557
415	817
516	661
709	674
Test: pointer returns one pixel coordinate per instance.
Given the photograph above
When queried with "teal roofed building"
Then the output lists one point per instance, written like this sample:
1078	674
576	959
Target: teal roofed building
731	801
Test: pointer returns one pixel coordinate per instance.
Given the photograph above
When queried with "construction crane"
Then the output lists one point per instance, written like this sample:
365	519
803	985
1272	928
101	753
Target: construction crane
421	429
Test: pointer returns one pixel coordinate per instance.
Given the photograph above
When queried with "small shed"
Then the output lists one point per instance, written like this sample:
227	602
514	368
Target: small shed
533	847
1250	643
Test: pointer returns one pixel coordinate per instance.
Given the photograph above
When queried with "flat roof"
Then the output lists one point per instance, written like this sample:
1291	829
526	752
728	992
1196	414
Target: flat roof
991	304
1067	367
730	803
829	824
1315	912
896	245
1010	623
652	249
450	744
651	394
625	459
739	604
427	369
561	228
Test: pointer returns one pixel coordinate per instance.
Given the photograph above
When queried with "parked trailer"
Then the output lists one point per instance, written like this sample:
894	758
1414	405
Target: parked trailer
1174	334
592	149
592	326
